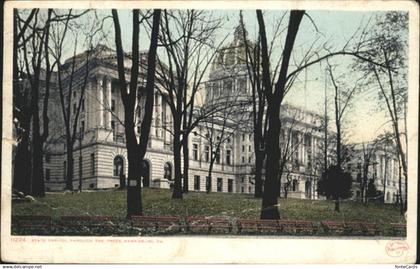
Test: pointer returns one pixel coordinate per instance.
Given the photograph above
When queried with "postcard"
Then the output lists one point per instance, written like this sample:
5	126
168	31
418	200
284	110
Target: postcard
210	132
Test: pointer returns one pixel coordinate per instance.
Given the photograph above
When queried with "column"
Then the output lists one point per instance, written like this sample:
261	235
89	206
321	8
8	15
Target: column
300	147
313	146
304	157
87	97
99	113
304	152
164	121
161	104
108	96
391	169
157	114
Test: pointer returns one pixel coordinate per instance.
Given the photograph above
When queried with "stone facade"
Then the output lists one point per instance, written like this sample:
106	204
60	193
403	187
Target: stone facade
100	154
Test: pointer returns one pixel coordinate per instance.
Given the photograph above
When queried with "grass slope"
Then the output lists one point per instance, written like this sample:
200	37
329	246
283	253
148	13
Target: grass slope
159	202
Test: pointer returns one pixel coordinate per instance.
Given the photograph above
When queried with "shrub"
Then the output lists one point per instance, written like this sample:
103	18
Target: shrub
335	183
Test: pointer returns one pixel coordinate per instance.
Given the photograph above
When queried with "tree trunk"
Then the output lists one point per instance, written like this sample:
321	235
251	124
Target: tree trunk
22	172
404	164
259	159
400	199
384	198
406	150
37	164
406	194
134	203
135	150
208	179
365	182
70	165
338	125
280	174
395	122
269	208
269	201
362	189
337	204
22	161
185	150
177	192
38	186
338	144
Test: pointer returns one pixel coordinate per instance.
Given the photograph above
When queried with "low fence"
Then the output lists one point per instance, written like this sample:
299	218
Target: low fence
158	225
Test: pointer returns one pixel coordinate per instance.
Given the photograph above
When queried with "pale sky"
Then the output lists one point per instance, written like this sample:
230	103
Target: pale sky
363	122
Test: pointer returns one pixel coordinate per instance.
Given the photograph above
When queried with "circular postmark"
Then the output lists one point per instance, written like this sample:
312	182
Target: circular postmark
396	248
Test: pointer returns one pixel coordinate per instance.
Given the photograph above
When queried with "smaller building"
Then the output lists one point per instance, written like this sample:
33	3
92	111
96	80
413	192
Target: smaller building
377	161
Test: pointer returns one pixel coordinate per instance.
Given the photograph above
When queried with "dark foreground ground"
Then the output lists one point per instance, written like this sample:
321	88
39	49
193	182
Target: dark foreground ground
158	202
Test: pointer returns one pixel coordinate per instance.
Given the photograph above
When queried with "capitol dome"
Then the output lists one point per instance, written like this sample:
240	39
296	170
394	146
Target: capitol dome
228	76
234	53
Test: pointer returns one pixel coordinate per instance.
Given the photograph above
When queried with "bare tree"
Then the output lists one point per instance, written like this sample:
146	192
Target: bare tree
254	68
33	48
274	99
368	152
136	150
231	116
342	100
259	118
275	92
72	77
186	36
22	105
38	139
388	45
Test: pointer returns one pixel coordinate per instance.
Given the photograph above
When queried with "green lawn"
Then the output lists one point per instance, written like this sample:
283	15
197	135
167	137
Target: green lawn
159	202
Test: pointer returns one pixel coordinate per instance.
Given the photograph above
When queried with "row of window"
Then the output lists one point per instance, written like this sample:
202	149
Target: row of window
229	157
207	155
249	148
227	85
117	171
92	167
219	187
388	182
249	137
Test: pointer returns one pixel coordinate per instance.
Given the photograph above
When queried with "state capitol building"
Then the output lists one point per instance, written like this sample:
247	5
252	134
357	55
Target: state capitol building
99	152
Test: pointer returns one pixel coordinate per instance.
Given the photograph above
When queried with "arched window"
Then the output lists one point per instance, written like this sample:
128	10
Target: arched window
308	191
118	166
167	169
295	185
